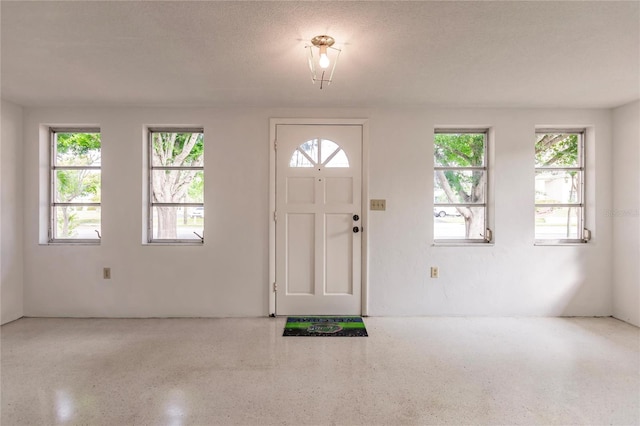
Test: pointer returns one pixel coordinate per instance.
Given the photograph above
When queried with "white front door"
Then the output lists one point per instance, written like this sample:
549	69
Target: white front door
318	219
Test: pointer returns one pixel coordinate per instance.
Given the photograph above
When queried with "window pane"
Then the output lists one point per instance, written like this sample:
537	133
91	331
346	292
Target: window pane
327	147
311	149
77	222
177	149
557	187
178	223
457	186
553	223
557	150
195	212
453	226
77	149
178	186
459	150
339	160
299	160
442	211
77	186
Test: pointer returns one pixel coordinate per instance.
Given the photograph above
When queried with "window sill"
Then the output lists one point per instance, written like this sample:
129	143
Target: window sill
551	244
70	243
463	244
176	243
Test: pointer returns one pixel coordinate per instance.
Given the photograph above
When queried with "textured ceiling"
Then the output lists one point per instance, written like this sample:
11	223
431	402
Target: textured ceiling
209	53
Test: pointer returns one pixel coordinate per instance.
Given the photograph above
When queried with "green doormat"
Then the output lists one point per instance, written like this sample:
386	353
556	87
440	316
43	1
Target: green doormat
325	326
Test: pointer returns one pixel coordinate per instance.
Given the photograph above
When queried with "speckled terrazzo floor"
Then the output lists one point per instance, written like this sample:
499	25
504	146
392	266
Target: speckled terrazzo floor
242	371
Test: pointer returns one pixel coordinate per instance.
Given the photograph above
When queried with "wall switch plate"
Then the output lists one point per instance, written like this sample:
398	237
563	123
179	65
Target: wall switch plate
378	205
106	273
435	273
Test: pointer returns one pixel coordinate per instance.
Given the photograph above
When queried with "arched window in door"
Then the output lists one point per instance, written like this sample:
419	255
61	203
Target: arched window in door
317	152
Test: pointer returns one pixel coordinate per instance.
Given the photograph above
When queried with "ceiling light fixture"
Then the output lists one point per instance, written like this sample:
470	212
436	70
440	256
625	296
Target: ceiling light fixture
323	64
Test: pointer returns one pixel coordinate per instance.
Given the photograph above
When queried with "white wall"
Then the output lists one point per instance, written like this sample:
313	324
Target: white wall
228	276
626	213
513	277
11	223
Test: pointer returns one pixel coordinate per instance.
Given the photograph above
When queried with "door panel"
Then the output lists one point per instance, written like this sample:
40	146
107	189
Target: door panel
301	190
338	190
300	253
339	265
318	192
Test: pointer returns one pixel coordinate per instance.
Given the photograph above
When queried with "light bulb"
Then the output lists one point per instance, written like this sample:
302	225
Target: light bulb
324	59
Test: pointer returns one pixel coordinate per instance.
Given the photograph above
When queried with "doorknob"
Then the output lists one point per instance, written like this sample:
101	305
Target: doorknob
356	229
356	217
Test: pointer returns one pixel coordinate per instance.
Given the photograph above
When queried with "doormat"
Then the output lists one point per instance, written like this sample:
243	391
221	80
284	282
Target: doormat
326	326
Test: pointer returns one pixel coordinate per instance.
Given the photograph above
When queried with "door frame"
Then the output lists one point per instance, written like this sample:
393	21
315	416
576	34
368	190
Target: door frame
364	267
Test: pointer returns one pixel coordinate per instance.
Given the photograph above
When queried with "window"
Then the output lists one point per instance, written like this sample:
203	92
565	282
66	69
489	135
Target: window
176	186
460	186
75	186
559	186
316	152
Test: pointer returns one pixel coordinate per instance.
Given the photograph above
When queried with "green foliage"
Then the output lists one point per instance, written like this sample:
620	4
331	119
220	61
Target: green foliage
178	149
173	149
74	184
77	148
196	189
461	150
557	150
67	222
560	150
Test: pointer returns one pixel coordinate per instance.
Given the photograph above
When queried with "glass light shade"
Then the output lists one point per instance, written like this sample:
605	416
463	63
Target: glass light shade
322	63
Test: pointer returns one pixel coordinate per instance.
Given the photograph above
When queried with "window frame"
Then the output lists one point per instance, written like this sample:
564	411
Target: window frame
151	204
488	234
53	167
583	234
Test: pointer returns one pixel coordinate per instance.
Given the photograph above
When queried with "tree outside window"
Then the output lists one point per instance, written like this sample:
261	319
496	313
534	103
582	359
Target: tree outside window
176	185
460	185
76	181
559	185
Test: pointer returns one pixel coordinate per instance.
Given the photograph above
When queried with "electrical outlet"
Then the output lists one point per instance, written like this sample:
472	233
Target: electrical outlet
378	205
106	273
435	273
